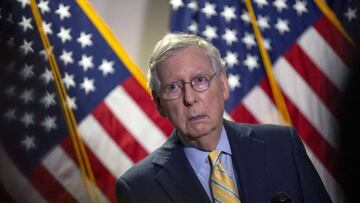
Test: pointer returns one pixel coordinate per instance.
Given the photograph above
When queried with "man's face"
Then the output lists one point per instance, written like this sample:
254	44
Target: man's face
197	115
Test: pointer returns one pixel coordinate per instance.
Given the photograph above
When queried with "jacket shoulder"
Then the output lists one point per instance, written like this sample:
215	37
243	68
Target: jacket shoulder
142	169
260	131
137	181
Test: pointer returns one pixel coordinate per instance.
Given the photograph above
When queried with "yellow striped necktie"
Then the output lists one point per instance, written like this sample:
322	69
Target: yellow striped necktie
222	185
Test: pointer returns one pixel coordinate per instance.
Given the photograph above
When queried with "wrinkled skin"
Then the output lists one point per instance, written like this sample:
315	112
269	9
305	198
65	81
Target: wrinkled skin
197	115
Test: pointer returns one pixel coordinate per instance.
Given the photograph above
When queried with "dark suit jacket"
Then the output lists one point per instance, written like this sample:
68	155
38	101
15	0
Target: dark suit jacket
268	159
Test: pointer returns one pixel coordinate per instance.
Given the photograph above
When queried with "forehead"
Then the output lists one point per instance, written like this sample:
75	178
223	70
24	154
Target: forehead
184	62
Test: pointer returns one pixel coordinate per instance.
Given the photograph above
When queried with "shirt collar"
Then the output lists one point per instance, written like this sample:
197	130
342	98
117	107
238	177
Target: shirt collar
198	157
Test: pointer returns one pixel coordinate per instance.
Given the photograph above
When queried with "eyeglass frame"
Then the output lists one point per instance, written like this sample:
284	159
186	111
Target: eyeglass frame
182	84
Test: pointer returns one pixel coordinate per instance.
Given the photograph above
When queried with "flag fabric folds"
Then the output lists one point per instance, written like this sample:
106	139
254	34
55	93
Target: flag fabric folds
113	112
309	44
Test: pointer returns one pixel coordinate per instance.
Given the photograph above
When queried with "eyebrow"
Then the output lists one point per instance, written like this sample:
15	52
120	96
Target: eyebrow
203	74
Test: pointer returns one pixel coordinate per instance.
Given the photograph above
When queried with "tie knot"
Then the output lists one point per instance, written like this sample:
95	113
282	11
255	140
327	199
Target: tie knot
215	157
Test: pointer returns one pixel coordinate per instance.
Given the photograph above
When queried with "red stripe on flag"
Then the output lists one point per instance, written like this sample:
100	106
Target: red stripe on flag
320	147
144	101
48	186
318	82
334	38
326	154
104	180
119	133
241	114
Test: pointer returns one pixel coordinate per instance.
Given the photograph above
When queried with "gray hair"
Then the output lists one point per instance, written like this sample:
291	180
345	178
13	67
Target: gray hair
174	42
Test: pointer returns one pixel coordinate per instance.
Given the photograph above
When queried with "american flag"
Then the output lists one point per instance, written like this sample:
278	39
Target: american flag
114	114
310	60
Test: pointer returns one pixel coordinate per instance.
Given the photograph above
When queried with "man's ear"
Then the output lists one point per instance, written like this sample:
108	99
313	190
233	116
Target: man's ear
158	103
226	86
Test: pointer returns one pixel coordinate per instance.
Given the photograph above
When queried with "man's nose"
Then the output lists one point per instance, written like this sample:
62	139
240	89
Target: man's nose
189	95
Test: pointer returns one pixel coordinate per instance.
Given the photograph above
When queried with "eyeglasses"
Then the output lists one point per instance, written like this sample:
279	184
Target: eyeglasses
173	90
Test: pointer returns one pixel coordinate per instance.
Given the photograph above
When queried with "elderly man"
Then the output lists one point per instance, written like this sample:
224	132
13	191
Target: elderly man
207	158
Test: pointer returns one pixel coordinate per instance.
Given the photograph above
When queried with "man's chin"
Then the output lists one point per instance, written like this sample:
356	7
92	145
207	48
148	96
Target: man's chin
197	133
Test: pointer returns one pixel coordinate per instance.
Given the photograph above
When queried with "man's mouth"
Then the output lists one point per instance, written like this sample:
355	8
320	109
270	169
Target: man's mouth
196	118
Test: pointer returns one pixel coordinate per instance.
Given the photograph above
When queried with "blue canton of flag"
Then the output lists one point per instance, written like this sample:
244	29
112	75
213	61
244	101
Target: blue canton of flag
104	89
29	91
32	122
310	55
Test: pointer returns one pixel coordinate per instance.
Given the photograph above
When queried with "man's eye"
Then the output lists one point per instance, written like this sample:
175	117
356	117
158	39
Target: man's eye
199	79
172	87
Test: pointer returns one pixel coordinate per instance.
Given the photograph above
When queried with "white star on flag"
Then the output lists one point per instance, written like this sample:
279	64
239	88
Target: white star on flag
10	18
228	13
350	14
63	11
71	102
11	42
248	40
47	76
282	25
193	6
47	28
68	80
10	91
64	34
28	142
229	36
49	123
231	59
263	22
27	95
210	33
267	44
88	85
27	119
193	27
234	81
44	6
106	67
24	3
175	4
300	7
84	39
261	3
10	114
27	72
251	62
66	57
209	10
280	5
245	16
27	47
26	23
48	100
86	62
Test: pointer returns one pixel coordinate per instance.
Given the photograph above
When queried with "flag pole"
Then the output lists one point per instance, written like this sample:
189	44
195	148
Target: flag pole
278	97
333	19
81	155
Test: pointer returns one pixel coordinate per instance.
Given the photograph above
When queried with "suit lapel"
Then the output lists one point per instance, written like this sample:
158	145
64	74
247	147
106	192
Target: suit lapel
177	177
249	161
